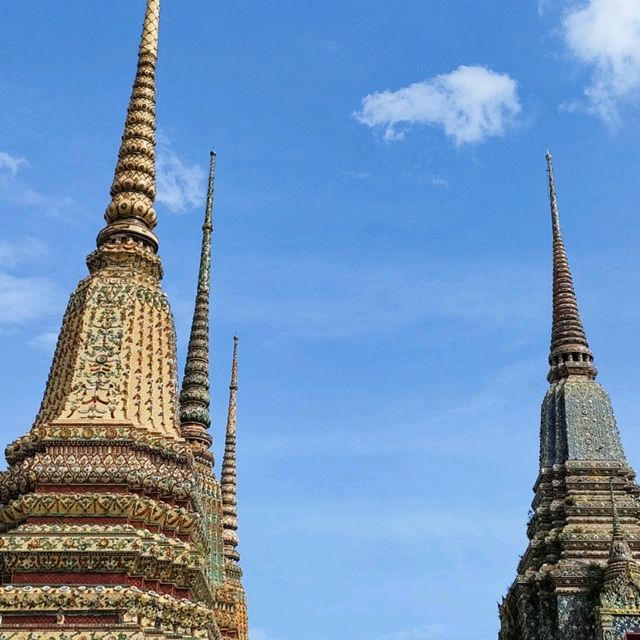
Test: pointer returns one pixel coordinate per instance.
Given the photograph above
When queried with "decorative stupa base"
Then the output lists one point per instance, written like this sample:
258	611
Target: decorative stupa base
540	610
560	592
100	613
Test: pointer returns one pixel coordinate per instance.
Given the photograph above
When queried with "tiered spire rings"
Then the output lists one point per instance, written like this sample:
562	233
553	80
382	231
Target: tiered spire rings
570	353
195	418
130	214
228	478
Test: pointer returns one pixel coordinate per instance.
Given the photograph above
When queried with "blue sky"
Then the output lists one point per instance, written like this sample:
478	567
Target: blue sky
381	247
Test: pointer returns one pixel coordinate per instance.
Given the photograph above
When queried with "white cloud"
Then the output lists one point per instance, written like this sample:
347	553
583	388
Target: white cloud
27	299
258	633
437	630
23	299
370	521
357	175
10	162
44	341
20	251
605	35
542	6
439	181
51	204
471	104
15	190
180	185
368	299
424	428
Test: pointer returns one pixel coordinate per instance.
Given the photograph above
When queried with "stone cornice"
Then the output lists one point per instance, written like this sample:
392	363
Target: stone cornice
82	434
139	607
158	477
136	508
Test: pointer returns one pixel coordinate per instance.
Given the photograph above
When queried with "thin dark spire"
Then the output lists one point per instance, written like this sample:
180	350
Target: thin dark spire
228	477
570	354
195	418
130	213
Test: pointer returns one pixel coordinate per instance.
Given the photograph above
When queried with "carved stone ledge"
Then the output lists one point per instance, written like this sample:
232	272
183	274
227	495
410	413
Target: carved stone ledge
147	611
136	508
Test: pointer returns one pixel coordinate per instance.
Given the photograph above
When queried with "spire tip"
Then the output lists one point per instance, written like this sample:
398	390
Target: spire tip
569	353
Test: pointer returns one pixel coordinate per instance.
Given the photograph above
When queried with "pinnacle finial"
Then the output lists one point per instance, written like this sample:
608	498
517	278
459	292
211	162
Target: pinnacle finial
228	477
130	214
208	216
570	353
620	550
195	418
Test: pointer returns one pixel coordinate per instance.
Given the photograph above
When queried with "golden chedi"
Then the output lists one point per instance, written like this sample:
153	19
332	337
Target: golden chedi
112	523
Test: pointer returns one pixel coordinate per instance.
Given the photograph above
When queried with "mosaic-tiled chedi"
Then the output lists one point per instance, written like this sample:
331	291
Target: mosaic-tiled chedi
112	524
578	579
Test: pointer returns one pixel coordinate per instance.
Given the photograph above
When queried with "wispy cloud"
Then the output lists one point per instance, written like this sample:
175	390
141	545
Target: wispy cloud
411	517
45	341
471	104
258	633
22	250
322	297
543	5
421	426
372	521
10	163
439	181
425	632
604	35
15	190
357	175
23	299
180	185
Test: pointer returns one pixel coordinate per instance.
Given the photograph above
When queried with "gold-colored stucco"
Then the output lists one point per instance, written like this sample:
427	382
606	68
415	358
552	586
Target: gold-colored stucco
111	517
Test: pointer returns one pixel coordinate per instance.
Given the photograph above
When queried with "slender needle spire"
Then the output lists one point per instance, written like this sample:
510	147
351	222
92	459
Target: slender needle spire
228	479
130	214
570	354
194	397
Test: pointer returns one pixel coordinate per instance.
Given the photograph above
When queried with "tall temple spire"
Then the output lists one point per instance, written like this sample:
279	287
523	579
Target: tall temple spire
114	480
228	479
194	397
570	353
571	582
130	214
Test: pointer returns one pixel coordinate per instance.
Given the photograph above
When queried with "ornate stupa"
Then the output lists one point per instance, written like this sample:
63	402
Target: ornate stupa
578	578
113	525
